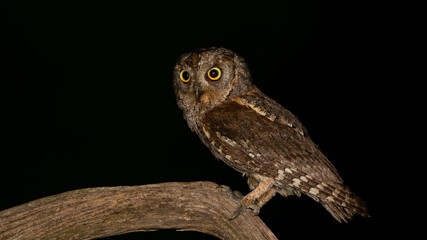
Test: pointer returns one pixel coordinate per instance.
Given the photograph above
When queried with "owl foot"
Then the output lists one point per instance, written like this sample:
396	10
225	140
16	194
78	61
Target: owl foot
256	199
236	195
247	203
255	210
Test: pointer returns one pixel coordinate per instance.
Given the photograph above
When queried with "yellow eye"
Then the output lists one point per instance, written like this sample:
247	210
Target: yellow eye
185	76
214	73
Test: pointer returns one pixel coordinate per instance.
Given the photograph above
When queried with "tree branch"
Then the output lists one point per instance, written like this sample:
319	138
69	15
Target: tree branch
106	211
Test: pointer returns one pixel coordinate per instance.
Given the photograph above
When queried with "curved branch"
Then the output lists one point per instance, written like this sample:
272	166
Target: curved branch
106	211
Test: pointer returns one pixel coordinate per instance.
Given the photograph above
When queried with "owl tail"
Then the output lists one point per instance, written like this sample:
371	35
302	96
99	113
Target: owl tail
342	204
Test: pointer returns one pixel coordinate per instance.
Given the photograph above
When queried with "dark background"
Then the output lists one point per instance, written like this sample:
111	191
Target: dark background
89	101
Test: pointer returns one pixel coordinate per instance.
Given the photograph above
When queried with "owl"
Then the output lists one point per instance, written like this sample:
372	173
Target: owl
255	135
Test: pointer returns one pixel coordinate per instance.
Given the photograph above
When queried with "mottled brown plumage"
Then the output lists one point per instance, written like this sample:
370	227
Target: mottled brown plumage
255	135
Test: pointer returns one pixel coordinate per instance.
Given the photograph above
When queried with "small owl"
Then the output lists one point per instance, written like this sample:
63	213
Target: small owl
255	135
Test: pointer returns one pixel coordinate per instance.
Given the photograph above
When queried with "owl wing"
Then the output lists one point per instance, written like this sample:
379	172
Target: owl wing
255	134
273	144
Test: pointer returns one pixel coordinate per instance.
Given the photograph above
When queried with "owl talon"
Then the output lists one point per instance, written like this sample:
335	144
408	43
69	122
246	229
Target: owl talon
236	195
238	211
255	210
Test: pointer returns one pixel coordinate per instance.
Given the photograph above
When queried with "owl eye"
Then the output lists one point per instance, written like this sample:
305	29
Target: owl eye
185	76
214	73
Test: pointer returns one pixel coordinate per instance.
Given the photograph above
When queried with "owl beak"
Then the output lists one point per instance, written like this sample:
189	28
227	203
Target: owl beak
200	89
198	92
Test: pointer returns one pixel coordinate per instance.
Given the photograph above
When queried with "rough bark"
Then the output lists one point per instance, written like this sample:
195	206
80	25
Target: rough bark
106	211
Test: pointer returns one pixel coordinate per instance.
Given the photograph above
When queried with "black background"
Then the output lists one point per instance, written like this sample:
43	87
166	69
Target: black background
89	101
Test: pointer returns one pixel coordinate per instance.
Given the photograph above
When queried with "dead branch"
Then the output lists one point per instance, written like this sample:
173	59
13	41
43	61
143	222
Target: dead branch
106	211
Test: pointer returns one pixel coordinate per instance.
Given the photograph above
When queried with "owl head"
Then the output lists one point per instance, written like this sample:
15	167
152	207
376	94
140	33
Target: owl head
205	78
